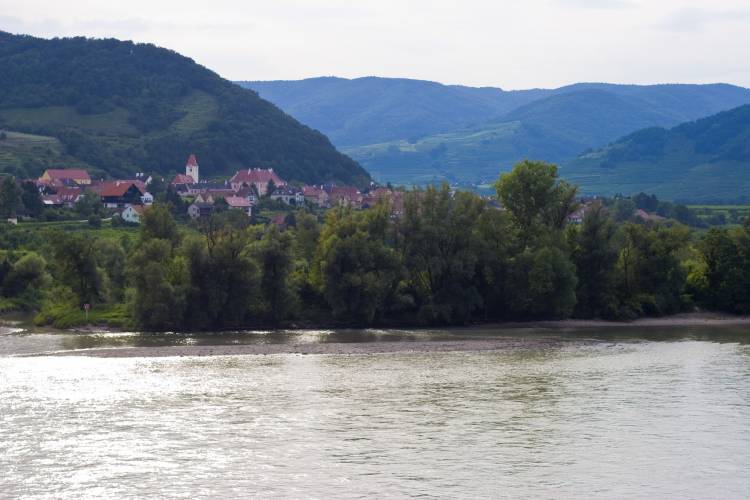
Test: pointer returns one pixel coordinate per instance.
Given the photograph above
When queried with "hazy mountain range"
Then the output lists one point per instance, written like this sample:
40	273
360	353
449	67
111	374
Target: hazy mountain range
411	131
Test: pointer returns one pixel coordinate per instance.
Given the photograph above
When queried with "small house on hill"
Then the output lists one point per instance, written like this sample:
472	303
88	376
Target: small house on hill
239	203
66	176
118	194
289	195
132	214
346	196
256	177
201	207
316	195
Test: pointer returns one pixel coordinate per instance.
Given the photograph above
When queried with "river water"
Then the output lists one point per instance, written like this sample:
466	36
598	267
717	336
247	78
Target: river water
630	414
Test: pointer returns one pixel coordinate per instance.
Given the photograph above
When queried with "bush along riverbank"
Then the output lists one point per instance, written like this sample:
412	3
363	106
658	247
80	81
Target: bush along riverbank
447	259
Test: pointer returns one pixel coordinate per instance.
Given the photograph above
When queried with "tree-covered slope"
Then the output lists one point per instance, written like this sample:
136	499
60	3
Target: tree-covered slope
372	110
119	107
411	131
707	159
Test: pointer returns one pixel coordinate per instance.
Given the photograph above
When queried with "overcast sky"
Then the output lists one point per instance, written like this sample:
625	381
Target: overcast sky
505	43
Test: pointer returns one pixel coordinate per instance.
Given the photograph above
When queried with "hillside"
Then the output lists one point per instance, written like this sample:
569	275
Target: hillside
707	159
119	107
372	110
410	131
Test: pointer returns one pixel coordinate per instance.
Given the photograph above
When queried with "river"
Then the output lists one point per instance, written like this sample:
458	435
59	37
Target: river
623	413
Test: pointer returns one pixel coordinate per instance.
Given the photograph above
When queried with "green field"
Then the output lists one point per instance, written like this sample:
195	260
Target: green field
722	215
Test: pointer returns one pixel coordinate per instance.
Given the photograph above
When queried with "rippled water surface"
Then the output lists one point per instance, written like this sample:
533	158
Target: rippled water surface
591	416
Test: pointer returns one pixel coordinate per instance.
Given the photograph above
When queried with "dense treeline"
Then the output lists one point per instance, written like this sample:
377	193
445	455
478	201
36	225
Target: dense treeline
450	258
122	107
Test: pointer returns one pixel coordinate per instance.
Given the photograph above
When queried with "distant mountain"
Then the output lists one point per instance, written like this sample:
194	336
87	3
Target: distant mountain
371	110
119	107
411	131
707	159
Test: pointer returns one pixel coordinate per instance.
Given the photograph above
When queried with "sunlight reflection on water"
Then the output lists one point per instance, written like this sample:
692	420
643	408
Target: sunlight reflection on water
615	418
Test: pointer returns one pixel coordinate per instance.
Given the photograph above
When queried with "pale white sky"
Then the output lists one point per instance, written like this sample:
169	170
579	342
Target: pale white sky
506	43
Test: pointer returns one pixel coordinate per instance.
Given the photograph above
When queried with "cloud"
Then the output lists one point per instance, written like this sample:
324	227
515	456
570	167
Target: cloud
598	4
695	19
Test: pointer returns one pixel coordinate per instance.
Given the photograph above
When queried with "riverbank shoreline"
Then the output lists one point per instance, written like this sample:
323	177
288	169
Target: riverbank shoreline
313	348
478	338
676	320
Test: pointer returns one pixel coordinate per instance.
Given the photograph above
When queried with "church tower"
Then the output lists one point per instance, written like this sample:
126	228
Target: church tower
191	168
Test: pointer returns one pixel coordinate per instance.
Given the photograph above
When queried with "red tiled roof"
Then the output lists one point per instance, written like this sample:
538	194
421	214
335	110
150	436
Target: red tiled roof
68	173
114	188
257	176
68	194
349	193
237	202
183	179
52	199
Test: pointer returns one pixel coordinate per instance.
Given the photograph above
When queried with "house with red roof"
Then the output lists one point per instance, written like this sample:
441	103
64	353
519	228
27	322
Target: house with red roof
239	203
118	194
66	176
346	196
256	177
316	195
184	183
69	196
394	198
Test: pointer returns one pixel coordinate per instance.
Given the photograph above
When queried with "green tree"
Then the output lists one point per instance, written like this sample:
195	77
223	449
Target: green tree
31	199
27	278
594	254
439	243
10	197
652	277
224	279
112	260
499	241
544	283
535	197
724	279
75	259
160	283
89	204
355	270
157	223
274	256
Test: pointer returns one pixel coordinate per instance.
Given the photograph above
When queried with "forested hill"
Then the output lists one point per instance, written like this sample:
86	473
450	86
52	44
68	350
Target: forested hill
410	131
707	159
372	109
119	107
362	111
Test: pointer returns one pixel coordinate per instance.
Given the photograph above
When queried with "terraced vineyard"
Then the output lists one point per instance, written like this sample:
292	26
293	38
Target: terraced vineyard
20	152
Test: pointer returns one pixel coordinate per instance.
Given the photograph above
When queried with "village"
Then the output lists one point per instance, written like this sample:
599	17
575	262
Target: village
126	199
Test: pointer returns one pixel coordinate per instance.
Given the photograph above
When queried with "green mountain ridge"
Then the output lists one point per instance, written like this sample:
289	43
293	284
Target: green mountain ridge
414	132
118	107
702	160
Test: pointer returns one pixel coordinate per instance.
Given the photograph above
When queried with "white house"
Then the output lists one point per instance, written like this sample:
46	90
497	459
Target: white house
147	198
132	214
